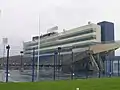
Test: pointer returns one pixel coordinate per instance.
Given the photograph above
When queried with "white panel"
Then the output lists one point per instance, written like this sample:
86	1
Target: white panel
67	33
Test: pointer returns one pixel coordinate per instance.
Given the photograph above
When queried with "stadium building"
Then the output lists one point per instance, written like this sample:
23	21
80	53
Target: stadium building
84	48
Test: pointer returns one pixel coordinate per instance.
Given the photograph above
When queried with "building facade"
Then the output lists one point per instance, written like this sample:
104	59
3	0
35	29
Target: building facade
107	34
80	37
75	38
116	65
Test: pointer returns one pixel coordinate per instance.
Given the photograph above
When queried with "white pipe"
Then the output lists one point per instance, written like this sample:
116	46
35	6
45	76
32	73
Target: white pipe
38	61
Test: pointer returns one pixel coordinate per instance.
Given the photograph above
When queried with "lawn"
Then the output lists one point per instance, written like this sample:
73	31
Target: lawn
86	84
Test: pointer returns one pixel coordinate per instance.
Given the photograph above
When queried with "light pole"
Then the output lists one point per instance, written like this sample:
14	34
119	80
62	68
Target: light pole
38	61
7	63
55	58
72	68
33	65
118	67
59	49
21	52
86	67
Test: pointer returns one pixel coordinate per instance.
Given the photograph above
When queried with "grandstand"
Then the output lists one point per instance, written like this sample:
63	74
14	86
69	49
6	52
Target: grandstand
79	48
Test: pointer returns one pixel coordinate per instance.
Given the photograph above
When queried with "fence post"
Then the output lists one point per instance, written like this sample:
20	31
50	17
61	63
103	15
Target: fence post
106	71
55	58
86	68
33	64
118	67
110	69
7	64
59	49
72	71
21	66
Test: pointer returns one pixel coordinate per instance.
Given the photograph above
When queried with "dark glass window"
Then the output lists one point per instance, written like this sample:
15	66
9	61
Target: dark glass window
66	42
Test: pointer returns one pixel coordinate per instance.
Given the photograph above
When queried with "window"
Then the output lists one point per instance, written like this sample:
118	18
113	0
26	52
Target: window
68	36
72	41
115	67
65	42
78	33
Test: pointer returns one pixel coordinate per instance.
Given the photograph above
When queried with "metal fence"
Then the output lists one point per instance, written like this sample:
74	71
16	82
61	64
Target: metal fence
55	66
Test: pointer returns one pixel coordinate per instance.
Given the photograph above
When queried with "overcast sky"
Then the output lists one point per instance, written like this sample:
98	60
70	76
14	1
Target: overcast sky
19	18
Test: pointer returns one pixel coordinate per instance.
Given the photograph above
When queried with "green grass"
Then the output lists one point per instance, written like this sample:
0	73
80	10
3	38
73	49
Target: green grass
86	84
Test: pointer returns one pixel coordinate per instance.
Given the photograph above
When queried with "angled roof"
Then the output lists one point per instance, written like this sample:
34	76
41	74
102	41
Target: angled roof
100	47
104	47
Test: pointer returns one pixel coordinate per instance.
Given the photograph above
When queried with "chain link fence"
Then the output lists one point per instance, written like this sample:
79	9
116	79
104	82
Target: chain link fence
55	66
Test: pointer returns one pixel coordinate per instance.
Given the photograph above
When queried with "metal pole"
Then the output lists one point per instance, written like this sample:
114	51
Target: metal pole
55	57
110	69
61	65
7	63
86	68
72	67
58	63
38	61
21	60
103	72
118	68
98	60
33	64
106	71
59	48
